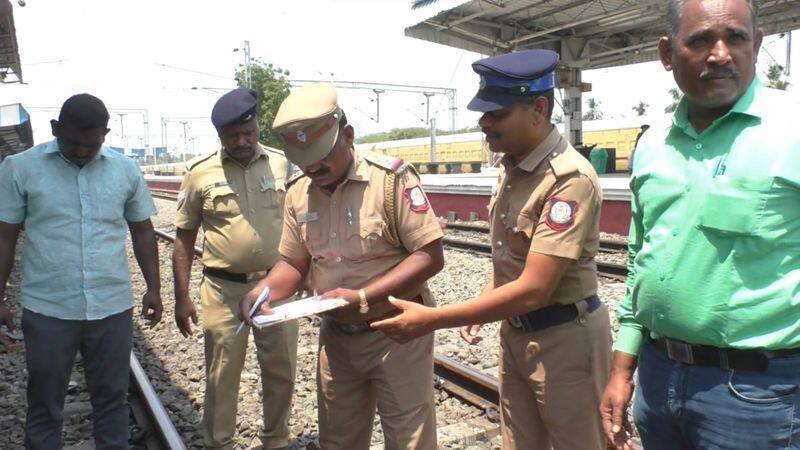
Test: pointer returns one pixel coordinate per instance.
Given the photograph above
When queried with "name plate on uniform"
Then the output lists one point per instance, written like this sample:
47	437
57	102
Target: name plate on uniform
308	217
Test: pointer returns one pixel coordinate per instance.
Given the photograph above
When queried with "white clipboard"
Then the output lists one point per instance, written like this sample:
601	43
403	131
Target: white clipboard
296	309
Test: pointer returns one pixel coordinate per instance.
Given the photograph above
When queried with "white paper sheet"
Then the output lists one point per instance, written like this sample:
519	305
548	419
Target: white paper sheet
297	309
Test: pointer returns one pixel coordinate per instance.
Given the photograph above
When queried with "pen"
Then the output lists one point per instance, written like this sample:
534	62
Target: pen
719	167
259	301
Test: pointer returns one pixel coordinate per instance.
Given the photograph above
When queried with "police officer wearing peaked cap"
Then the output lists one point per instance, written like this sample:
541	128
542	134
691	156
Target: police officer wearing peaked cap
357	226
237	195
544	218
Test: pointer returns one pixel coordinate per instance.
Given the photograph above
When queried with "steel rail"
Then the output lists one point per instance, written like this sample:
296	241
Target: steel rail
479	247
166	194
467	383
606	245
613	246
604	269
165	429
468	227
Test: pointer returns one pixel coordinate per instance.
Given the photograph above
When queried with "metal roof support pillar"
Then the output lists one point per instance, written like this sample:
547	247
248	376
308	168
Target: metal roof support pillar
451	94
571	51
573	102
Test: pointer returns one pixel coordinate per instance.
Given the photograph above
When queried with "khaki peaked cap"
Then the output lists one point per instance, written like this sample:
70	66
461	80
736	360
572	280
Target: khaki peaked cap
308	122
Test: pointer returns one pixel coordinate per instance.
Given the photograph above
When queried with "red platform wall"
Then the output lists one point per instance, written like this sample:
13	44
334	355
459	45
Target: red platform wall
614	218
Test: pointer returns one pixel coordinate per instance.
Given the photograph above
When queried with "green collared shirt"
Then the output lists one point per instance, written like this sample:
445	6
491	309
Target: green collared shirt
74	262
714	254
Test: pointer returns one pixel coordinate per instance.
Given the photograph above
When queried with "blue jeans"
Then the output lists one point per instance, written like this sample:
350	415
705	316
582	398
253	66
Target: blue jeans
679	406
50	348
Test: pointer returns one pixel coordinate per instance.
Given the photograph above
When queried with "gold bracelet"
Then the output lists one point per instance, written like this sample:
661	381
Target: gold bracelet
362	301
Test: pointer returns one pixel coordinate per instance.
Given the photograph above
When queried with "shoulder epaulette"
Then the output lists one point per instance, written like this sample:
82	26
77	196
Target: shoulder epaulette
563	166
193	162
294	177
389	163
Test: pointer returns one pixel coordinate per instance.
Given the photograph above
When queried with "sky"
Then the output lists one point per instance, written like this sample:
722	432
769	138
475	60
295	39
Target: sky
166	63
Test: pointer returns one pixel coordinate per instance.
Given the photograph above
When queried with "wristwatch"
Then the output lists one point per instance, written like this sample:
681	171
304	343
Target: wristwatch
363	306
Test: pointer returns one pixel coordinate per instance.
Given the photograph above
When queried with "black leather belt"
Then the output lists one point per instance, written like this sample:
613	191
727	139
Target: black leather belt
350	328
225	275
725	358
552	315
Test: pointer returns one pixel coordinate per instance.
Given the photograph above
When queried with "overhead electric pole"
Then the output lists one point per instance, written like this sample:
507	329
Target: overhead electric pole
379	88
247	76
378	93
428	96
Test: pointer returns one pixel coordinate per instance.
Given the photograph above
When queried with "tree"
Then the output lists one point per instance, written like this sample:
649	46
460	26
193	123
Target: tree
272	86
774	74
558	118
641	108
594	112
676	98
396	134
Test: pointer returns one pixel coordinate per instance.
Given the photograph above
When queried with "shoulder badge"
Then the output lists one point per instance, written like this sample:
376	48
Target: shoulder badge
561	213
416	199
194	162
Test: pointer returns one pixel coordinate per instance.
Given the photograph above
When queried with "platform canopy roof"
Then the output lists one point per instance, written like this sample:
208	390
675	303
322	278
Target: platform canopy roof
589	34
16	134
10	71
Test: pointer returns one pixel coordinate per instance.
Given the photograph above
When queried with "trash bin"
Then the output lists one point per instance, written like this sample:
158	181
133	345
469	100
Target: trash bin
599	160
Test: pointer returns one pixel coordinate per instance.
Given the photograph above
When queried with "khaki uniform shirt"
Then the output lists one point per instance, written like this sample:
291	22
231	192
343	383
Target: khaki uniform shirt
344	232
240	208
549	203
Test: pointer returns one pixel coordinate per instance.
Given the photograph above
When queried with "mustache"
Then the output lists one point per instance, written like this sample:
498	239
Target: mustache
490	134
318	172
719	72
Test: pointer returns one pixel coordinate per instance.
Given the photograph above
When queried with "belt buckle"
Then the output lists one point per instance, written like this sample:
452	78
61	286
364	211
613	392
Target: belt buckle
680	351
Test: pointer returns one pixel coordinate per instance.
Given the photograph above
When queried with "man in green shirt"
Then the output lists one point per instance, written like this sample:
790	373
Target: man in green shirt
711	315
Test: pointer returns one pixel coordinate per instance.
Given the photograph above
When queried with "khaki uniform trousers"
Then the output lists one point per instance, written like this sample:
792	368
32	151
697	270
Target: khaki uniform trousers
276	350
357	372
551	383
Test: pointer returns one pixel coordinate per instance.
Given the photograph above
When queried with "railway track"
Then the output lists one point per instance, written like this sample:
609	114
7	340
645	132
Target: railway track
457	379
454	377
605	269
153	430
606	245
165	194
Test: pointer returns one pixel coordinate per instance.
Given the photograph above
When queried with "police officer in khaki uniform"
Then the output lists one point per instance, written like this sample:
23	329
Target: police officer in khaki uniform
358	227
555	339
237	195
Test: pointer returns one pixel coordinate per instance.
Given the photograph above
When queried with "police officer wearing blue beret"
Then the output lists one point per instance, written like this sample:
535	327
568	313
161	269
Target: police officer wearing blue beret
237	195
555	350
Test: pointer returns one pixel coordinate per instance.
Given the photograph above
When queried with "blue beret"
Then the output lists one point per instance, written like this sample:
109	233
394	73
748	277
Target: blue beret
506	79
238	105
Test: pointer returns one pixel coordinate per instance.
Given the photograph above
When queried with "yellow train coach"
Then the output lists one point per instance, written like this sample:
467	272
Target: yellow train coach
467	152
